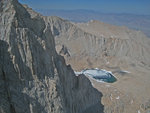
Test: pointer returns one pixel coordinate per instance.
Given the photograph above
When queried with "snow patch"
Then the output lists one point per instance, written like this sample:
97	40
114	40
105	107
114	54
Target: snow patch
126	71
117	97
78	73
100	75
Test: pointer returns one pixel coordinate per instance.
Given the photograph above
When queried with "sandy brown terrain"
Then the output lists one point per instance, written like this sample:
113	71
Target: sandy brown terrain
123	50
131	91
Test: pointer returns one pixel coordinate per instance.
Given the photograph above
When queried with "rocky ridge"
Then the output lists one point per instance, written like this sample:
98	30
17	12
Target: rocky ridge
94	43
33	77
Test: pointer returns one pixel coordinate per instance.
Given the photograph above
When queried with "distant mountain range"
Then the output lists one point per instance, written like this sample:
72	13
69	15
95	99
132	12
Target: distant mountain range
133	21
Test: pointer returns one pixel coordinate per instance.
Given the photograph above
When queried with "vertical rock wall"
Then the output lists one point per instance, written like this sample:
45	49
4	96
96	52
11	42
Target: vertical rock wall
33	78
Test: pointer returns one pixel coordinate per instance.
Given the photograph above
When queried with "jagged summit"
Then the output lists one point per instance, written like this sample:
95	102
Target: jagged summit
33	77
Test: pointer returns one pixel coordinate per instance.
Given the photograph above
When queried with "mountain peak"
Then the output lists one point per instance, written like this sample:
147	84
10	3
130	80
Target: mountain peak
33	77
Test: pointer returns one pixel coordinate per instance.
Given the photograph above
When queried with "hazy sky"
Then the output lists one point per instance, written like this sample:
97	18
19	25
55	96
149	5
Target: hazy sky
115	6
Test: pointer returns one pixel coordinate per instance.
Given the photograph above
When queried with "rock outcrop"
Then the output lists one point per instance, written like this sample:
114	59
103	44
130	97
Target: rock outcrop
33	77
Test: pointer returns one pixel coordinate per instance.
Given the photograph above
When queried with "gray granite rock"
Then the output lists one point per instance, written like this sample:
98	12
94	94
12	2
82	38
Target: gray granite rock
33	77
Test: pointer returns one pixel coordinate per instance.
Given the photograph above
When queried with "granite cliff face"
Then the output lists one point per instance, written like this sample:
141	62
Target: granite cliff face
33	77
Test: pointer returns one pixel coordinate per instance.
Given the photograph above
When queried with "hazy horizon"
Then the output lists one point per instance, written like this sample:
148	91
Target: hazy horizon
88	10
104	6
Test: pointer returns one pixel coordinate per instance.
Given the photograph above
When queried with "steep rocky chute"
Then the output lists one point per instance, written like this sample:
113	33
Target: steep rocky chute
33	77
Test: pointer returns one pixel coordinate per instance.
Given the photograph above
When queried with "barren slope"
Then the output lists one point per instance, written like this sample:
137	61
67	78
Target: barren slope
123	51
